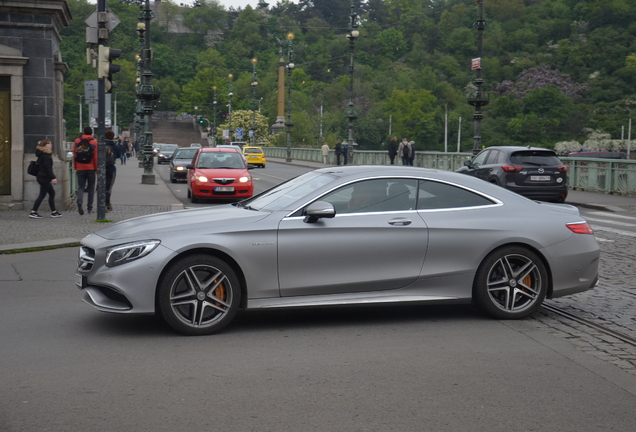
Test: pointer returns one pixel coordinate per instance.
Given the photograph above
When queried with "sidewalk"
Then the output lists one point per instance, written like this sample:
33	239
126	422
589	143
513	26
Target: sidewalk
131	198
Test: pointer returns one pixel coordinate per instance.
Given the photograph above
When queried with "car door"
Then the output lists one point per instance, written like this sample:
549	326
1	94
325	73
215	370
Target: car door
477	167
376	246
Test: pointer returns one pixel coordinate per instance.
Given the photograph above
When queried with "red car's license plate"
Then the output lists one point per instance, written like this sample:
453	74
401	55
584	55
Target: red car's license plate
224	189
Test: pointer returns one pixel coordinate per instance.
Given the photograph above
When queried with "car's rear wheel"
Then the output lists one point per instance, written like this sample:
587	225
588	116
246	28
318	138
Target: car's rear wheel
511	283
199	295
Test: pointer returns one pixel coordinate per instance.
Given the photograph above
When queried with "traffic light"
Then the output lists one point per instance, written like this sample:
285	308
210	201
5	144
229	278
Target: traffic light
105	69
200	121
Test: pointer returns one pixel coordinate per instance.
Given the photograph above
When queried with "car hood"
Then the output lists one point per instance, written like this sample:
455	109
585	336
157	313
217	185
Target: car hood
203	220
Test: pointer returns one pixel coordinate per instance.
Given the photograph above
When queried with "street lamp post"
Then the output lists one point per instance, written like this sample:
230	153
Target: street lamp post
352	34
81	129
230	94
214	118
115	122
290	68
147	92
254	84
478	98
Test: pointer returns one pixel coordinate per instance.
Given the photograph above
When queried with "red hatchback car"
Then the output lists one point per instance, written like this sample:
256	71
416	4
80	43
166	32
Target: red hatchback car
218	173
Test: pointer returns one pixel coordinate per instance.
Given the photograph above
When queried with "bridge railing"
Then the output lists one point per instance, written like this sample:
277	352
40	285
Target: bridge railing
587	174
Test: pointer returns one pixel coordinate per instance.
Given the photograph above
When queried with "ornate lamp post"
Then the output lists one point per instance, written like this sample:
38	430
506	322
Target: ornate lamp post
214	118
352	34
230	94
478	98
254	84
146	92
290	68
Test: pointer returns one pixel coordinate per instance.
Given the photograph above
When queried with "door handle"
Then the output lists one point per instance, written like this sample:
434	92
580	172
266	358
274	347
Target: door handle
400	221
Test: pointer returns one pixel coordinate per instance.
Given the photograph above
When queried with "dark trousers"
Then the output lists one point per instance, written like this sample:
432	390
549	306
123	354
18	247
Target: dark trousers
45	188
405	160
86	183
337	158
392	157
110	181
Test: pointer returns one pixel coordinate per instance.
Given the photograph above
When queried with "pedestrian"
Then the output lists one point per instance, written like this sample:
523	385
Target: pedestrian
129	148
338	150
112	154
345	152
136	147
325	153
45	178
85	164
393	149
412	156
122	150
404	151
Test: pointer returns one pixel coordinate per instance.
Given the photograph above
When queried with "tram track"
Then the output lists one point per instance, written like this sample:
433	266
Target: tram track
600	328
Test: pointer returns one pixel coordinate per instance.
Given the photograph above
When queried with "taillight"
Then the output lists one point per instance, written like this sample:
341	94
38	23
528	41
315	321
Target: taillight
511	168
580	228
563	169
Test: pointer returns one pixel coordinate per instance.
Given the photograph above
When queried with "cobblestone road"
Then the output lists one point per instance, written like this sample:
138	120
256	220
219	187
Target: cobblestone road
612	304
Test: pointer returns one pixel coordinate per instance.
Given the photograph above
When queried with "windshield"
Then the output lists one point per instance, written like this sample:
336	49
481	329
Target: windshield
285	194
168	148
220	160
185	154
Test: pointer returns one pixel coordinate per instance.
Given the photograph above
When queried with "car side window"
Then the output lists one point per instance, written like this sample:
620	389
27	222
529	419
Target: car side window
377	195
480	159
438	195
493	157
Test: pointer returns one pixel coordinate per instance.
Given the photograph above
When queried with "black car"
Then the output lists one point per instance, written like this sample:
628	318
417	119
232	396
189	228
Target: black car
165	152
535	173
180	158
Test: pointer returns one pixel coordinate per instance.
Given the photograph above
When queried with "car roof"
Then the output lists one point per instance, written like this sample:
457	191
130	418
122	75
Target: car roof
256	147
511	149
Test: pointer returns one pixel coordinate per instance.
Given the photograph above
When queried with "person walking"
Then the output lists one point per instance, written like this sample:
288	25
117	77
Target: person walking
112	154
123	149
412	156
338	150
45	178
345	152
325	153
85	164
393	149
404	151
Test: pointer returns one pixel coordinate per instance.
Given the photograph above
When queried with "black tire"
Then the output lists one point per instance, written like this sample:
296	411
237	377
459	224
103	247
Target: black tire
511	283
199	295
173	180
189	193
193	199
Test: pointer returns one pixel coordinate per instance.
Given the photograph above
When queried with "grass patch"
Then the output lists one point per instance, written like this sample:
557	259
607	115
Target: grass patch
37	249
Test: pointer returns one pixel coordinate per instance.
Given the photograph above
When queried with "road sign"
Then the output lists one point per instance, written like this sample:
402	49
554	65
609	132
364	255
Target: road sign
112	19
475	63
209	128
226	133
239	133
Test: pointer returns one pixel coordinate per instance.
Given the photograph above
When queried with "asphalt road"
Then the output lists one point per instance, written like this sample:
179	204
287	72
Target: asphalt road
67	367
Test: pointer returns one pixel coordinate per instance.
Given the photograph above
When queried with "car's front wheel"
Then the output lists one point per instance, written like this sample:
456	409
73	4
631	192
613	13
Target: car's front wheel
199	295
510	283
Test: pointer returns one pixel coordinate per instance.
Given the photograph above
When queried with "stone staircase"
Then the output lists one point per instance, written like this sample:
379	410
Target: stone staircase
171	129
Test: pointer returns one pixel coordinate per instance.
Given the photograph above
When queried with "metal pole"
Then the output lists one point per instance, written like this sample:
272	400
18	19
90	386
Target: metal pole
479	98
445	128
230	106
629	135
147	92
290	68
81	129
214	119
459	135
254	84
351	115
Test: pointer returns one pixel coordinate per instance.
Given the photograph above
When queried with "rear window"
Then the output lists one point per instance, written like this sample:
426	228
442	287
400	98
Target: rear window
536	158
253	150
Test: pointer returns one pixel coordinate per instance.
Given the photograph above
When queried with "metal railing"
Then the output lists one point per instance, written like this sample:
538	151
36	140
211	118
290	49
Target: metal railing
586	174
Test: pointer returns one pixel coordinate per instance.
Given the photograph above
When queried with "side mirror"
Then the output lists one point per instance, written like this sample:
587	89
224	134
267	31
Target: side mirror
189	166
250	166
468	163
318	210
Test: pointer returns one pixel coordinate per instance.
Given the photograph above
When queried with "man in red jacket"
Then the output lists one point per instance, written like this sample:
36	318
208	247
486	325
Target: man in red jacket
85	164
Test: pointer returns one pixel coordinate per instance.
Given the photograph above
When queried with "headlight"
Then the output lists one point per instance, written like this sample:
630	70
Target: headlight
244	179
129	252
202	179
179	168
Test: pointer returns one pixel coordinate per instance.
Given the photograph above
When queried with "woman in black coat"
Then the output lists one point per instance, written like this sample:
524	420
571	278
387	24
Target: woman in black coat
45	178
393	149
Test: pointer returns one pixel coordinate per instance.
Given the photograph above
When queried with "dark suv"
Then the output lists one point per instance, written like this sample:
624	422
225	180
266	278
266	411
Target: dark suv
535	173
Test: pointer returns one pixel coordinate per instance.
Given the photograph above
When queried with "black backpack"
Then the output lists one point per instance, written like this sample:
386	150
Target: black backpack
110	156
84	151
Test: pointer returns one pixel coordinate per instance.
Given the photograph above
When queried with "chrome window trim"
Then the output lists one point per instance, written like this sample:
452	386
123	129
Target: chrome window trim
496	202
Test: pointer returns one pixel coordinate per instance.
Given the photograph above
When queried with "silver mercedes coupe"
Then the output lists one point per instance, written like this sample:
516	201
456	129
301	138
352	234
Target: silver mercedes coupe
351	235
